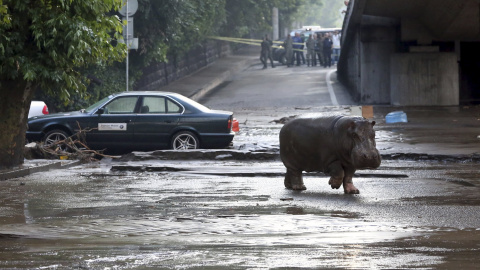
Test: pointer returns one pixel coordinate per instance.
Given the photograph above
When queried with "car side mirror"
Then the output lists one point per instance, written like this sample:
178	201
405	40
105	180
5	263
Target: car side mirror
101	111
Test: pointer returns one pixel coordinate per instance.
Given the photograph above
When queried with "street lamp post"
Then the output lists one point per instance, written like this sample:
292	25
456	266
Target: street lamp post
129	8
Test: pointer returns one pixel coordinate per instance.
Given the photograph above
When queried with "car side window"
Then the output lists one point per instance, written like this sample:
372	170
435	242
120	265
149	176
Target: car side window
121	105
160	105
173	107
153	105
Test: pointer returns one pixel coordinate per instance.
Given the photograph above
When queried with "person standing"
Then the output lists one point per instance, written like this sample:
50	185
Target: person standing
270	54
319	48
302	55
297	47
266	52
327	51
336	47
311	58
287	44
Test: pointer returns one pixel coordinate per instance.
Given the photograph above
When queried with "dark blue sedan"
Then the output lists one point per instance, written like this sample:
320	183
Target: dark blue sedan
139	121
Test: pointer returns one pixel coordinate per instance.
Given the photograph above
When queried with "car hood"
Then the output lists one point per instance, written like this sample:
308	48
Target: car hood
56	115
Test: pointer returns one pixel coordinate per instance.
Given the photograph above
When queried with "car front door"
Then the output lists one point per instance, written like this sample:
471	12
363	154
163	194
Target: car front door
113	129
158	116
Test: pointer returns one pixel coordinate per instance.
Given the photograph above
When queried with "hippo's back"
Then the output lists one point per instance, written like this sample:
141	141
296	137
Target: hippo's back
308	142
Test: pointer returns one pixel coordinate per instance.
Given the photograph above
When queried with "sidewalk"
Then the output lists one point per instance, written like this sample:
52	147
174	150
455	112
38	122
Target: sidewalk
37	165
196	85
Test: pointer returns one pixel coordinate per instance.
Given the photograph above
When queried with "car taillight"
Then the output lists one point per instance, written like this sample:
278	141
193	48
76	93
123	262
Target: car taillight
229	124
45	109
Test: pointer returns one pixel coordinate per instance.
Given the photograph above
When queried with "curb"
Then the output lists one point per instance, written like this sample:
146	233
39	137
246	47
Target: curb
39	168
230	154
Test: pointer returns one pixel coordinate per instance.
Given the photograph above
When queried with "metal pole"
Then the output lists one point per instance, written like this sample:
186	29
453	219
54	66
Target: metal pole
275	23
126	42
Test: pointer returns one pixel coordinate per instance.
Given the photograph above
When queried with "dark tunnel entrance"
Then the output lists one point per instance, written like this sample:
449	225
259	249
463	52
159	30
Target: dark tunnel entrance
469	67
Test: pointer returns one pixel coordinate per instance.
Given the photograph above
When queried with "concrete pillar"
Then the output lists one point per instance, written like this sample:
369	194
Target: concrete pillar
424	79
275	23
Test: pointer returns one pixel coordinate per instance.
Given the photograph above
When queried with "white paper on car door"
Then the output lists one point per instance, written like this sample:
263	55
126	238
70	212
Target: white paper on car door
112	126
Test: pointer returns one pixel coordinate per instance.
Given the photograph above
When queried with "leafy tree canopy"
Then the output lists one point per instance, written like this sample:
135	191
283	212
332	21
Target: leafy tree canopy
253	17
46	41
326	13
173	27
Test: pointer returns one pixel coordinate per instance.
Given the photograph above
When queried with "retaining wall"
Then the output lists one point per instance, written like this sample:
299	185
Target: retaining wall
158	74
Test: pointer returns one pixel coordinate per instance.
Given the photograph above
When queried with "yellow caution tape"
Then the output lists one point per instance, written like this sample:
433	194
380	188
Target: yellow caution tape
256	42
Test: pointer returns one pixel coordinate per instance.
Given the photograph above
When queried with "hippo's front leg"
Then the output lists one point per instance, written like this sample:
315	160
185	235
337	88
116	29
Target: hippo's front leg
348	186
336	172
294	180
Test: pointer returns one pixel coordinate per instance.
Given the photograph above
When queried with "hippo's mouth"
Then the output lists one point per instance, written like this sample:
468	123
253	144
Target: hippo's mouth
363	160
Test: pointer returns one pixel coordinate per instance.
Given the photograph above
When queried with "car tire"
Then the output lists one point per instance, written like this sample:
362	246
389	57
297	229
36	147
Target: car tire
54	136
185	140
283	59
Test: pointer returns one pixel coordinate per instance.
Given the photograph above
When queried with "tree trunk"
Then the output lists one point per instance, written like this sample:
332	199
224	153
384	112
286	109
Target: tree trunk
15	98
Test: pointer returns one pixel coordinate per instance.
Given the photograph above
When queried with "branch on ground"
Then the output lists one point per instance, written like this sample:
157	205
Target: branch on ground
72	148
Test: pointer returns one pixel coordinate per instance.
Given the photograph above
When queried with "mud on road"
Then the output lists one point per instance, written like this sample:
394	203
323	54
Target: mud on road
222	214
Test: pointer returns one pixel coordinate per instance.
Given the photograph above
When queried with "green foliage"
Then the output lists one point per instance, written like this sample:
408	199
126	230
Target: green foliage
47	42
254	17
326	13
173	27
4	16
102	81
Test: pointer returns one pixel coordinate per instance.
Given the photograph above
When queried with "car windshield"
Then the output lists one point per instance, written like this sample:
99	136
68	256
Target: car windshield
94	106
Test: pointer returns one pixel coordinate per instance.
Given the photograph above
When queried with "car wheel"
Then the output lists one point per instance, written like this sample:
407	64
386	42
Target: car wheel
283	59
185	140
53	137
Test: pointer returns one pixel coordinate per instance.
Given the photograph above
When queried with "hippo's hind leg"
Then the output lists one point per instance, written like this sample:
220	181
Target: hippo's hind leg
294	180
337	173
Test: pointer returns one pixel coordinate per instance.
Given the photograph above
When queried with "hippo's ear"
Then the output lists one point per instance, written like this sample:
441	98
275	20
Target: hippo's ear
373	123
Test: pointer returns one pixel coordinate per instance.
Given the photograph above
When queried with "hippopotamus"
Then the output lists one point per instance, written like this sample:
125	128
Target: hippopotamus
336	145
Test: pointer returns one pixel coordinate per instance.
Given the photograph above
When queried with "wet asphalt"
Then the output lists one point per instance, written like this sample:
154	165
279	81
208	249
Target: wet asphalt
223	214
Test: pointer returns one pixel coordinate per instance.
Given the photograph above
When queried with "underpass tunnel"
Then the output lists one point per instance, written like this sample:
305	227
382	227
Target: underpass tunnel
469	68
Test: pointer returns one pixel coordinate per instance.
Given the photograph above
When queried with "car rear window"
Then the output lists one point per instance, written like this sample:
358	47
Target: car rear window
159	105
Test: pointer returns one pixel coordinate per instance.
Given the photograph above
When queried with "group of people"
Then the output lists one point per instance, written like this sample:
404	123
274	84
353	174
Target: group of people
324	47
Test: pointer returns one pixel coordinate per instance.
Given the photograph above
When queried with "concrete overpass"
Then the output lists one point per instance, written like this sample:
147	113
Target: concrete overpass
412	52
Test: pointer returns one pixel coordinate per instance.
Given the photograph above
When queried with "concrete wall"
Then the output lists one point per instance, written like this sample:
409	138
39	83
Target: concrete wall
377	45
158	75
416	65
349	66
424	79
365	64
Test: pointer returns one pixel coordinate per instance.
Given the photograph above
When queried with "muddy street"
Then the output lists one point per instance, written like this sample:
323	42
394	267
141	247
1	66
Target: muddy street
177	215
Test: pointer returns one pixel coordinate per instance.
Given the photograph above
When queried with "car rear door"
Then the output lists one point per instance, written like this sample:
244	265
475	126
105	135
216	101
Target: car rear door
115	126
157	118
